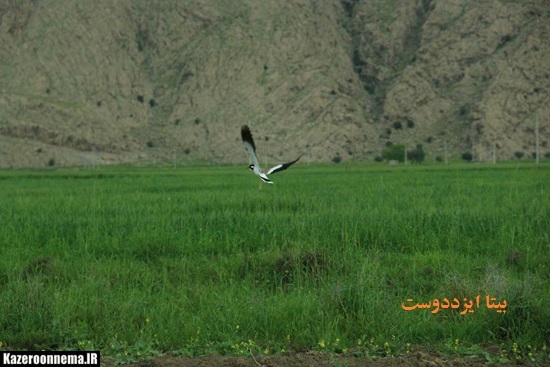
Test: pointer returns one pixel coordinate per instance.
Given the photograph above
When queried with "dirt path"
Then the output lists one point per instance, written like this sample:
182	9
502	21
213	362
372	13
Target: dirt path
314	359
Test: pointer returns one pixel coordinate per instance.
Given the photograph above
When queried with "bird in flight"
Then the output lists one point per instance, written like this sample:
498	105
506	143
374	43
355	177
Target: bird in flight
255	166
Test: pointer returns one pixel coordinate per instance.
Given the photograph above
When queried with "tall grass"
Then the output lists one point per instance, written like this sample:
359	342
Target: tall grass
198	260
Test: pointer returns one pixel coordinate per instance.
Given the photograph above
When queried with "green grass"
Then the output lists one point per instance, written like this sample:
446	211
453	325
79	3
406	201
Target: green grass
196	260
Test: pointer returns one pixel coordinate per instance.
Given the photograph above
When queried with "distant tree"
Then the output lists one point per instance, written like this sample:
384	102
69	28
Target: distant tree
394	152
467	156
416	155
397	125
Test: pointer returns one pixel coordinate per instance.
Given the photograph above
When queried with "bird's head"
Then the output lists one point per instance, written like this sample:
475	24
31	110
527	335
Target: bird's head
251	167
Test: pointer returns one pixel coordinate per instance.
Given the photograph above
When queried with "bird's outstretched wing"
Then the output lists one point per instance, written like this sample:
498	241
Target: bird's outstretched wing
250	146
282	166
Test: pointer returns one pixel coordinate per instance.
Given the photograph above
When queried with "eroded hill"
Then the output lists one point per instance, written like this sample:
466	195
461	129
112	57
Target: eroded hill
97	82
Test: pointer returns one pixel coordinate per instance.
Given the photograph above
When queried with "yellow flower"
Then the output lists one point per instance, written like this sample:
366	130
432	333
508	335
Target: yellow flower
387	347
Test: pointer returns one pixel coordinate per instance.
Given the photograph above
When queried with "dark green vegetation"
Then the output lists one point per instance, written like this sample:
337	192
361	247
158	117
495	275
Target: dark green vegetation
196	260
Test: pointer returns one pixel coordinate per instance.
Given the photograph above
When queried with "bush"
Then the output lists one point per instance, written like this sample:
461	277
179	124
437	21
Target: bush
519	155
467	156
416	155
394	152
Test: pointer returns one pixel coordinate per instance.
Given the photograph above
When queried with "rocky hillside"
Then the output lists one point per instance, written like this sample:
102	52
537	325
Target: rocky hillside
100	81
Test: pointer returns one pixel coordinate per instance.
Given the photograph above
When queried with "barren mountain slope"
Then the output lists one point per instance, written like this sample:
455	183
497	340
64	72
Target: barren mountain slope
94	82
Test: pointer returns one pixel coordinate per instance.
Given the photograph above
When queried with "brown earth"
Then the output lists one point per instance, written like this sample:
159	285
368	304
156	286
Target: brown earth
315	359
99	81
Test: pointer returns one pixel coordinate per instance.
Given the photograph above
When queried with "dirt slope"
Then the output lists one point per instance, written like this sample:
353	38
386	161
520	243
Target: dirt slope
98	82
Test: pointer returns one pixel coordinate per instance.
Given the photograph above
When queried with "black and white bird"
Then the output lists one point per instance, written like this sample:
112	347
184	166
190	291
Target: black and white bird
255	166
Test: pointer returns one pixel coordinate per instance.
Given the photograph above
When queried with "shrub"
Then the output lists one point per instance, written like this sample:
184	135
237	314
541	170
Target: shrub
519	155
416	155
394	152
467	156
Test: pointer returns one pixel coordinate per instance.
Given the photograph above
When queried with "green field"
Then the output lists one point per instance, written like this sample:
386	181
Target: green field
137	261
